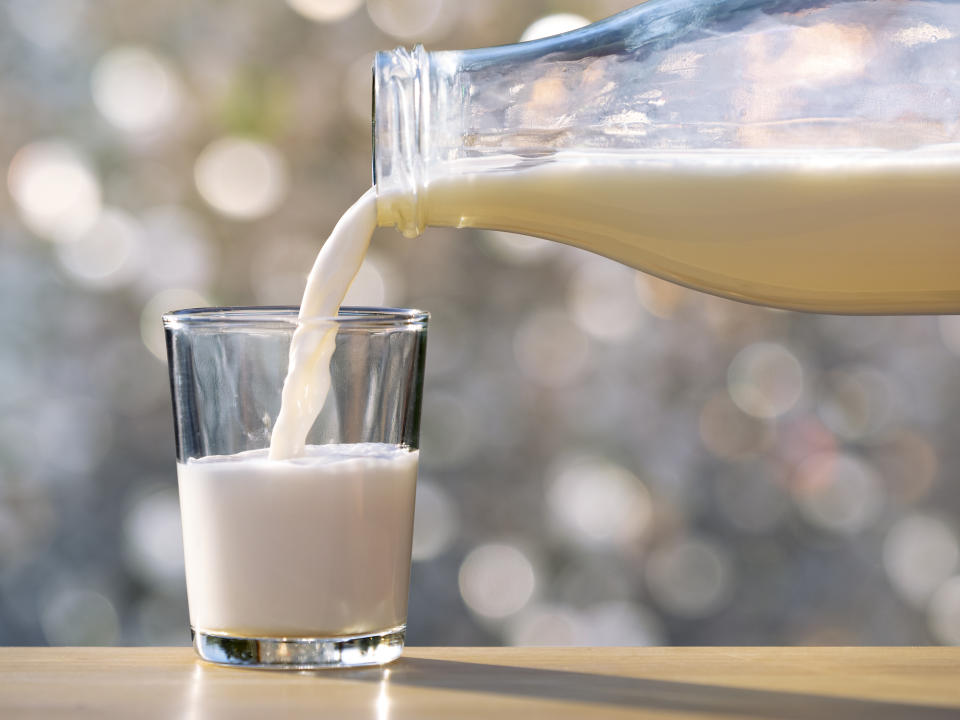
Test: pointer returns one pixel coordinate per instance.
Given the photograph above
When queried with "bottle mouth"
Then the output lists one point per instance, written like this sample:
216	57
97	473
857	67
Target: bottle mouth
399	135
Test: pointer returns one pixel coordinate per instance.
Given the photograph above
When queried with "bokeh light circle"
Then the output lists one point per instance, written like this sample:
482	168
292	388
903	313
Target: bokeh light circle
135	89
407	19
553	25
241	178
76	615
55	189
690	577
839	492
325	11
596	502
496	580
108	254
856	402
603	301
151	325
919	553
765	380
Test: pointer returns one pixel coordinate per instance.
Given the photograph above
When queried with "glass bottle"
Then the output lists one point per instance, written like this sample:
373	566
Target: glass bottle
789	153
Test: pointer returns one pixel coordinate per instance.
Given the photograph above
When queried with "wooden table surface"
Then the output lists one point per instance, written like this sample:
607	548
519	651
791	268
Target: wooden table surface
499	683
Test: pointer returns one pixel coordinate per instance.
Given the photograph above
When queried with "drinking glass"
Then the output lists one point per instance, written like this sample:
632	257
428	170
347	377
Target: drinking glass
299	563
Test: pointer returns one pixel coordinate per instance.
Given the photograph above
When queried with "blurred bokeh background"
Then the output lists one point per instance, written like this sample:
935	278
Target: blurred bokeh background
607	459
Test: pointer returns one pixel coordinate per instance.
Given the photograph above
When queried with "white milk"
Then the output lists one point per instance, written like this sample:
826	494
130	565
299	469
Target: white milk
851	231
318	546
308	373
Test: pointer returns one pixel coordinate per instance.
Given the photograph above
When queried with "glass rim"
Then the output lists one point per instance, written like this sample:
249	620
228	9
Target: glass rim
249	316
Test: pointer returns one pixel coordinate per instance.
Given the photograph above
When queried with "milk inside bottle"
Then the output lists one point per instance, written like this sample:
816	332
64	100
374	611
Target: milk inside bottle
799	155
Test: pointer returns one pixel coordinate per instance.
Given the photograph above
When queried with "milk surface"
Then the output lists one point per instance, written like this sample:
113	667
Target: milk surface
848	231
318	546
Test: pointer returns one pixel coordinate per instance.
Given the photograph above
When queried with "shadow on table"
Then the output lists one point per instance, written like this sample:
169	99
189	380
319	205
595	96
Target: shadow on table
638	693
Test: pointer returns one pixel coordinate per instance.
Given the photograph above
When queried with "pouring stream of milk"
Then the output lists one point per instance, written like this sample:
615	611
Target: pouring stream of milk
308	373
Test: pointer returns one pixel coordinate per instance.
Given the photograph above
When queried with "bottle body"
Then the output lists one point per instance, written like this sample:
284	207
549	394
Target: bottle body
796	155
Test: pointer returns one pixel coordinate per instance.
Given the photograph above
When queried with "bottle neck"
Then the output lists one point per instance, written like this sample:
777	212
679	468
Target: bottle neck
448	113
401	120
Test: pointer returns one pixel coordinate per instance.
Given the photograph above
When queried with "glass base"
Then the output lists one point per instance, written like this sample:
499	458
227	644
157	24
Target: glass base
300	653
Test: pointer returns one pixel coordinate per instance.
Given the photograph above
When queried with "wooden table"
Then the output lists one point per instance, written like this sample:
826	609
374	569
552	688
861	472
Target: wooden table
498	683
